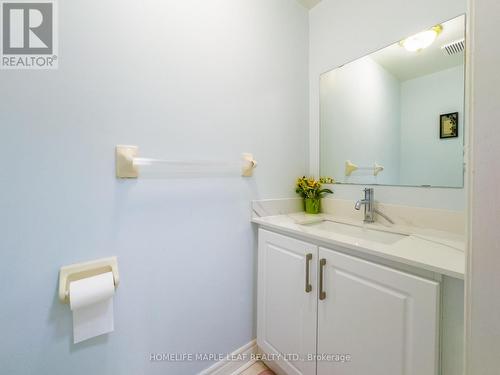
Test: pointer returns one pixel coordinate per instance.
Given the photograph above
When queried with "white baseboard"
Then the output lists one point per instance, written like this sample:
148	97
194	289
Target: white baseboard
246	358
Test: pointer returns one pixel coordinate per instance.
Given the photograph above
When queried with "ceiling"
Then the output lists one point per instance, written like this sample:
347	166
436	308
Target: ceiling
309	4
408	65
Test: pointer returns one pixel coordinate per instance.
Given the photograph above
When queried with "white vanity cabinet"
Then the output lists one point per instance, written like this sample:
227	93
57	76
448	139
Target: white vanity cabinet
386	320
381	321
287	301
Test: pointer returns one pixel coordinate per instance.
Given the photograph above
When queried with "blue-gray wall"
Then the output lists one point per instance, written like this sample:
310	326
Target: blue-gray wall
425	158
183	79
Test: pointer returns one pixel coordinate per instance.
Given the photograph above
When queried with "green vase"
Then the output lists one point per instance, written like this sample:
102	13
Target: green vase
312	205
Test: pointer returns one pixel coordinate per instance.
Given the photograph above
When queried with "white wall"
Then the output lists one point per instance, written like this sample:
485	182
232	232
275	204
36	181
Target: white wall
341	31
369	116
483	296
181	79
425	158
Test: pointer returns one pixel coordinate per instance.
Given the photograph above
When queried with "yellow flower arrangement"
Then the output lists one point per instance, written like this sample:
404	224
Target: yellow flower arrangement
308	187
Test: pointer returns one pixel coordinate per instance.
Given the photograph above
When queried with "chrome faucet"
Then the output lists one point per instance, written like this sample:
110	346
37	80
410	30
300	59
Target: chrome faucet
368	203
370	210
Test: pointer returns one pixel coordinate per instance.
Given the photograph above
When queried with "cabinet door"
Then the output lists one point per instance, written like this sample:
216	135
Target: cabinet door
384	319
286	319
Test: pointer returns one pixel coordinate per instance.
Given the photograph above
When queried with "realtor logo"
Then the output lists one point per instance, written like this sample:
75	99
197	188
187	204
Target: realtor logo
28	35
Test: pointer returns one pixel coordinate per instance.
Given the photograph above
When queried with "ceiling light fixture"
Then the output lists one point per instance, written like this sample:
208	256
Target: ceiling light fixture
421	40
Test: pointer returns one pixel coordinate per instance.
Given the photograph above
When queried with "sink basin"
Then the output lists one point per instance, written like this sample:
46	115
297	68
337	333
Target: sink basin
356	232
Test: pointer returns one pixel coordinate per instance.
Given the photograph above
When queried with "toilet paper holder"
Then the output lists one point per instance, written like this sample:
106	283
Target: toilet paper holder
79	271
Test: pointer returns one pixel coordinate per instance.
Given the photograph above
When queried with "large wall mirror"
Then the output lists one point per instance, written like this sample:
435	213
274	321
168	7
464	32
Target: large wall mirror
396	116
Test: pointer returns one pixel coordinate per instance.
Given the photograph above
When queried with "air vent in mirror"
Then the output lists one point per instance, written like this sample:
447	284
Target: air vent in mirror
454	47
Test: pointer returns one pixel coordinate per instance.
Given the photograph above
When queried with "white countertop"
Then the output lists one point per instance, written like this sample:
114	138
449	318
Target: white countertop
428	249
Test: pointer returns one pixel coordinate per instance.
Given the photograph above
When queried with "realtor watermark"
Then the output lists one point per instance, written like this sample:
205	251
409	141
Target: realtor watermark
245	357
29	34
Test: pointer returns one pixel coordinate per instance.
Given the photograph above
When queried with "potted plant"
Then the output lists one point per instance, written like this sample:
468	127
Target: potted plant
310	189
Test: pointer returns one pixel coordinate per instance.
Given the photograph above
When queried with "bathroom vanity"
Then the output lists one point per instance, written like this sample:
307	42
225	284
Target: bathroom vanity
349	295
336	296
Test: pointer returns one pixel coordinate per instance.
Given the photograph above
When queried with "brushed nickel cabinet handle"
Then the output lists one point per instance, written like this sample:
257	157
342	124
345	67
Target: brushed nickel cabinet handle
308	265
322	293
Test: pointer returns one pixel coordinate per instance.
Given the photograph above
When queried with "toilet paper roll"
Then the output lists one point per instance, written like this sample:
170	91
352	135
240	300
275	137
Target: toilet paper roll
91	300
